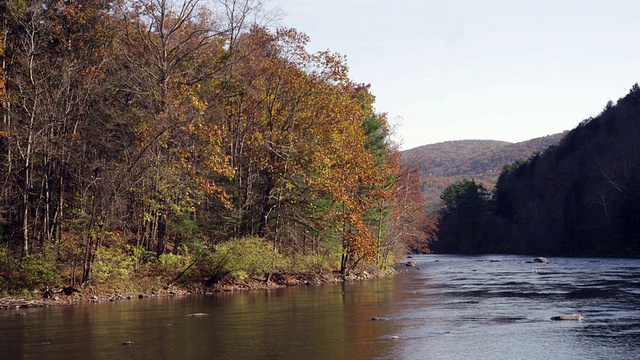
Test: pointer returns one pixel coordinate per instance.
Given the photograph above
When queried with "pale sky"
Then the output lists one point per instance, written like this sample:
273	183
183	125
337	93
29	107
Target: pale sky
479	69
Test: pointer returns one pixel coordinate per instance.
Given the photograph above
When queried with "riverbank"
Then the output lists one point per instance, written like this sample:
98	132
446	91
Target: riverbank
58	297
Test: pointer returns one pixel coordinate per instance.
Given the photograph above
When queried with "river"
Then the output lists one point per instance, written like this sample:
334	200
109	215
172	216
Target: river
454	307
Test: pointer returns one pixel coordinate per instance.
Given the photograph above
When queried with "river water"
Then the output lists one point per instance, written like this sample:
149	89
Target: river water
454	307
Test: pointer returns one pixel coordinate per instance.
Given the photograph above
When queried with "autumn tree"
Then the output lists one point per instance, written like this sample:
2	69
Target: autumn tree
53	60
172	51
140	127
297	143
409	224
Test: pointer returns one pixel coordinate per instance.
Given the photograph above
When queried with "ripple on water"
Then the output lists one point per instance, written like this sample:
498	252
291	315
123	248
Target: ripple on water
505	308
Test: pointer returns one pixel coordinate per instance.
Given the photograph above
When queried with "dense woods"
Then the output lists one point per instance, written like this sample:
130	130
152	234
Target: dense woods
580	197
146	138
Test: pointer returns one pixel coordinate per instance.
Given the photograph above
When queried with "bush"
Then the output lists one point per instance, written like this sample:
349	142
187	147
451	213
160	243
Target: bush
34	273
166	267
171	264
310	264
250	256
113	266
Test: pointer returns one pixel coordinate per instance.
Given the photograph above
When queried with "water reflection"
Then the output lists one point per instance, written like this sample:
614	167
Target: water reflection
453	308
327	322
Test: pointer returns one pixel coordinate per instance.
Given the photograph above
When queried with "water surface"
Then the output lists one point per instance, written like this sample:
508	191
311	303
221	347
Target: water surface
454	307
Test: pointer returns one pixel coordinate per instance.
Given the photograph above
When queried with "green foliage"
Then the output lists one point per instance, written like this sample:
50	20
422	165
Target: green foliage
114	266
34	273
144	256
375	126
172	262
465	206
466	196
184	231
164	267
250	256
310	264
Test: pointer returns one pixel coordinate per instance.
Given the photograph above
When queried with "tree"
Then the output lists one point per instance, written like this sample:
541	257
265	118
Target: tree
154	126
465	205
53	60
172	51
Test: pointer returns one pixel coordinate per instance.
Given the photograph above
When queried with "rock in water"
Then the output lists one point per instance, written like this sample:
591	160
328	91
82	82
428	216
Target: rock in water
412	264
573	317
198	314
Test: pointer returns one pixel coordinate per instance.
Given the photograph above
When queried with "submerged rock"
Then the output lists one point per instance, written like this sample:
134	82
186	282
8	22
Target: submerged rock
378	319
572	317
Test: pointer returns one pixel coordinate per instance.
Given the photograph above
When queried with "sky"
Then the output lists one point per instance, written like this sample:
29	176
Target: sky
509	70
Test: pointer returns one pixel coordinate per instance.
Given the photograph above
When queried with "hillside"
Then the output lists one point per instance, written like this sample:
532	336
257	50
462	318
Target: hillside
580	197
434	159
441	164
486	166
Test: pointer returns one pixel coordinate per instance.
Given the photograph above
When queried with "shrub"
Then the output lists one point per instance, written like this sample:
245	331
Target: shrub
250	256
35	272
113	266
170	265
309	264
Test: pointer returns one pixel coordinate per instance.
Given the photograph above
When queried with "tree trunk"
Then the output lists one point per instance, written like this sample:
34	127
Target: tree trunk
162	234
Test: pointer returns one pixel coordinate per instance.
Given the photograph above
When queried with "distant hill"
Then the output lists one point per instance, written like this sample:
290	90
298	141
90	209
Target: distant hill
435	159
442	164
579	197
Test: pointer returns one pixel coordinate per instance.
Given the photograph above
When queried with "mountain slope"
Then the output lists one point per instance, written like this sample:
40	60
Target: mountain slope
434	159
487	166
442	164
580	197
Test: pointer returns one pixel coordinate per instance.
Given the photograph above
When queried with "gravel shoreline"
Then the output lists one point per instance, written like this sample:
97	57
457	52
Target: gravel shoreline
87	295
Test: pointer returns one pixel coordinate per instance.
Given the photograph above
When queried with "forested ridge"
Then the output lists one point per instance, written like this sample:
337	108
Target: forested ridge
442	164
580	197
487	165
154	142
435	159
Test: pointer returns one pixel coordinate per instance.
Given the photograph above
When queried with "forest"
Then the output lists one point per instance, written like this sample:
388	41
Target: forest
580	197
442	164
155	142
